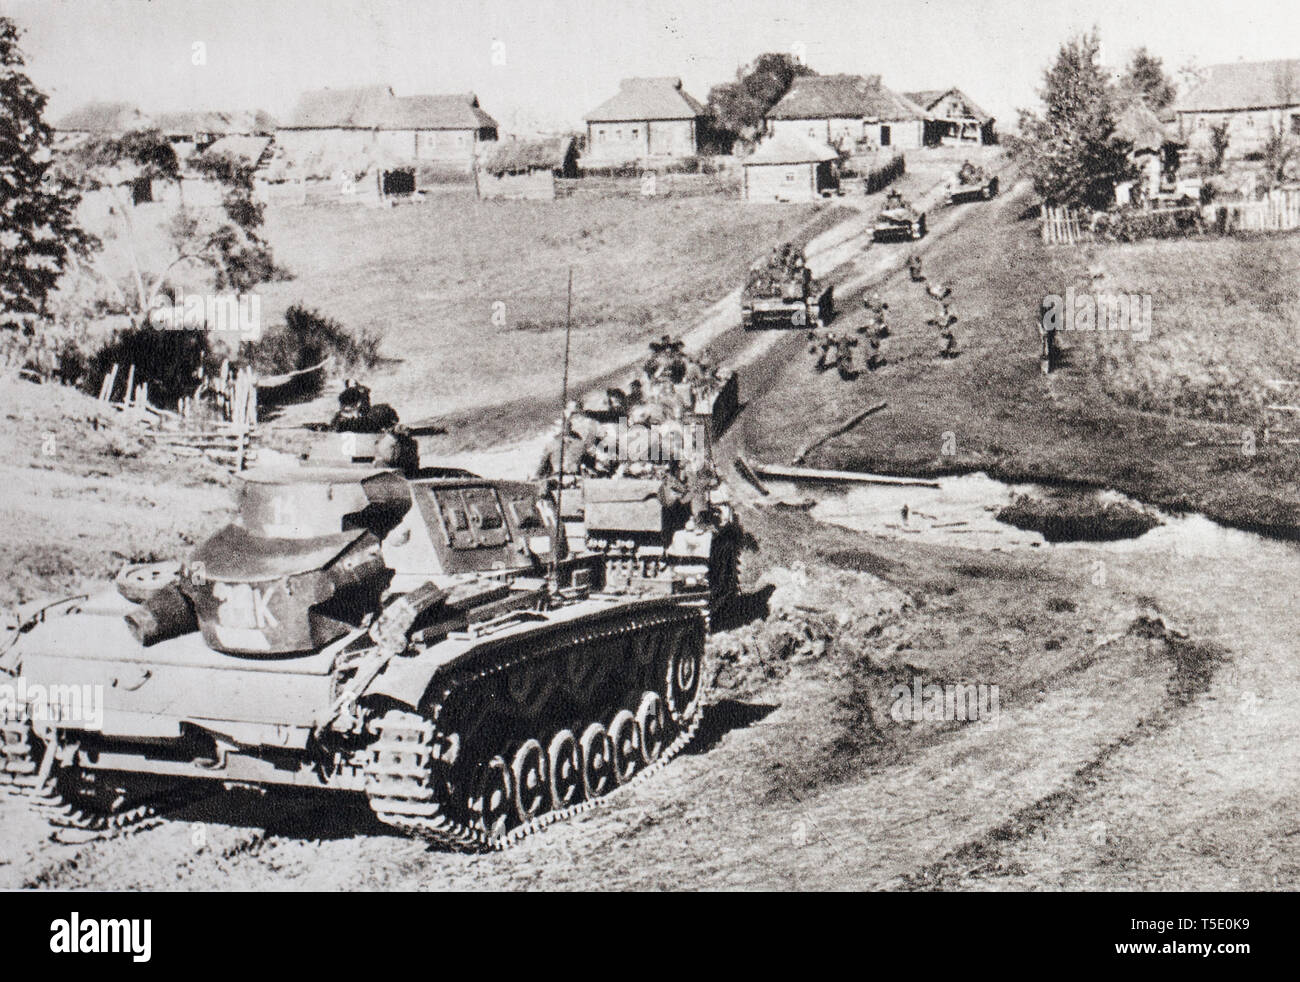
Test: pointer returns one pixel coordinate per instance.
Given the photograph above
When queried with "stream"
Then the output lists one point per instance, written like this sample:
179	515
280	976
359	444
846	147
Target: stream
963	511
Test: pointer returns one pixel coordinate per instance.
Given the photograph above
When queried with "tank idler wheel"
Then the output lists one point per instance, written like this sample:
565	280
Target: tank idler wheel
493	799
528	773
683	679
653	726
597	761
565	770
625	740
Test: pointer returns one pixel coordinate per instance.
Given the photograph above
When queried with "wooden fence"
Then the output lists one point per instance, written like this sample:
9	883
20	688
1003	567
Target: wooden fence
1061	226
649	185
877	178
1278	212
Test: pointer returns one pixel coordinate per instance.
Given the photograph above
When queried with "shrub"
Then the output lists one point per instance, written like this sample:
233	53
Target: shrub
307	338
167	360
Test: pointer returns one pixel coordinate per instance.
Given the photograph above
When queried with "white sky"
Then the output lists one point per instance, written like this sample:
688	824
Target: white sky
563	57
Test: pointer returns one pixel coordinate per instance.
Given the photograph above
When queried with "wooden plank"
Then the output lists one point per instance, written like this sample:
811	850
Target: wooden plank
747	472
844	427
813	474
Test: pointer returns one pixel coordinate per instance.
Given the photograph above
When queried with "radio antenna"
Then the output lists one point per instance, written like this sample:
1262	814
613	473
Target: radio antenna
557	536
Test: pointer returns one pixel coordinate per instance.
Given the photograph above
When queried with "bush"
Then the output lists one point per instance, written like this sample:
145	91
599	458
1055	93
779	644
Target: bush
168	360
307	338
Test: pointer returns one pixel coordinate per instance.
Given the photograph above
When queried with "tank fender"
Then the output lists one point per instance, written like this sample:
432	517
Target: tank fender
405	680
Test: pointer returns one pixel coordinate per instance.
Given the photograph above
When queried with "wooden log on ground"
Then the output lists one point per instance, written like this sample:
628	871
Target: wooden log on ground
844	427
813	474
747	472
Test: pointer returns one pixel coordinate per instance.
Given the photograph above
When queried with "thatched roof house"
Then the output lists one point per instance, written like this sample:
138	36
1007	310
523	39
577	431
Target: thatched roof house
528	168
849	109
960	119
1255	99
104	117
646	118
442	129
790	167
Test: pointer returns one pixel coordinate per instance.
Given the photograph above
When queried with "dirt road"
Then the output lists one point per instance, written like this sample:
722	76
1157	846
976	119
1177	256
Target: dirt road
1146	717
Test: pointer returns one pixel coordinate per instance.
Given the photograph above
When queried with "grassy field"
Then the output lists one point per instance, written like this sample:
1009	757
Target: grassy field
469	296
1174	419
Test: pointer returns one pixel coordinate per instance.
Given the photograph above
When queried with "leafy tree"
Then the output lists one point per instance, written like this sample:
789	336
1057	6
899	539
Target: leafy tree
1218	146
38	229
740	107
1071	152
227	244
1145	78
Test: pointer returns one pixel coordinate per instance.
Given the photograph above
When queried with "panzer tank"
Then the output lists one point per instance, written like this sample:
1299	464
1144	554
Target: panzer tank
783	293
426	640
898	220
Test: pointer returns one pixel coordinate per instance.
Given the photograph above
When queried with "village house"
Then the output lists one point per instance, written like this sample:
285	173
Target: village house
790	167
527	169
334	126
955	118
1155	149
852	112
1255	98
649	119
189	133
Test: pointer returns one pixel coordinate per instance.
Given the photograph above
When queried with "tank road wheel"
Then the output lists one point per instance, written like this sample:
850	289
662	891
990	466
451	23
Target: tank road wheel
625	746
530	780
565	770
653	726
597	761
494	797
682	683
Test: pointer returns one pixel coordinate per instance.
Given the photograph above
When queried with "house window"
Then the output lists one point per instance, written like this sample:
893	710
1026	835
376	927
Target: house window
600	136
789	177
812	131
618	133
635	133
1295	123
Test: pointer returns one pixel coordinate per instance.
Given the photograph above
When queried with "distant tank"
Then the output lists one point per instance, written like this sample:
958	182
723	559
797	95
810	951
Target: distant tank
898	220
972	183
782	292
427	640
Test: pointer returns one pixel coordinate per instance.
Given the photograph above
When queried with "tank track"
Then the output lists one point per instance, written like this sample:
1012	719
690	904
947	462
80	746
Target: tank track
22	774
402	781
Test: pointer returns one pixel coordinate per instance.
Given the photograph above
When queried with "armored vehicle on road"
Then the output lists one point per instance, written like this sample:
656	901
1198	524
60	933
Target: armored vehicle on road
899	220
429	642
782	292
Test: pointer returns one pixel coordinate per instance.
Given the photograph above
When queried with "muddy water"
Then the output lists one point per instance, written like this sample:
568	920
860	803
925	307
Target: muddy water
962	512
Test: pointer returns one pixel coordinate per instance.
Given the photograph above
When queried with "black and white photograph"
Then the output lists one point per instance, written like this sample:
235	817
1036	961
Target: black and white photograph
679	446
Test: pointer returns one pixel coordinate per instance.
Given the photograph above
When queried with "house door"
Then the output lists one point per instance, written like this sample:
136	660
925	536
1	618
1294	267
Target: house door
884	136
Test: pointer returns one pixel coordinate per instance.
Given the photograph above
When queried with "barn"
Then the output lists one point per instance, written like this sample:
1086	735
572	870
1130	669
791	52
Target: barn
955	119
854	112
449	131
649	119
528	168
790	168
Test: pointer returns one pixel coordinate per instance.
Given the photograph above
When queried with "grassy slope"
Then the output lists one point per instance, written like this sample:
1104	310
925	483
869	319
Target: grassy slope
1088	422
428	279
